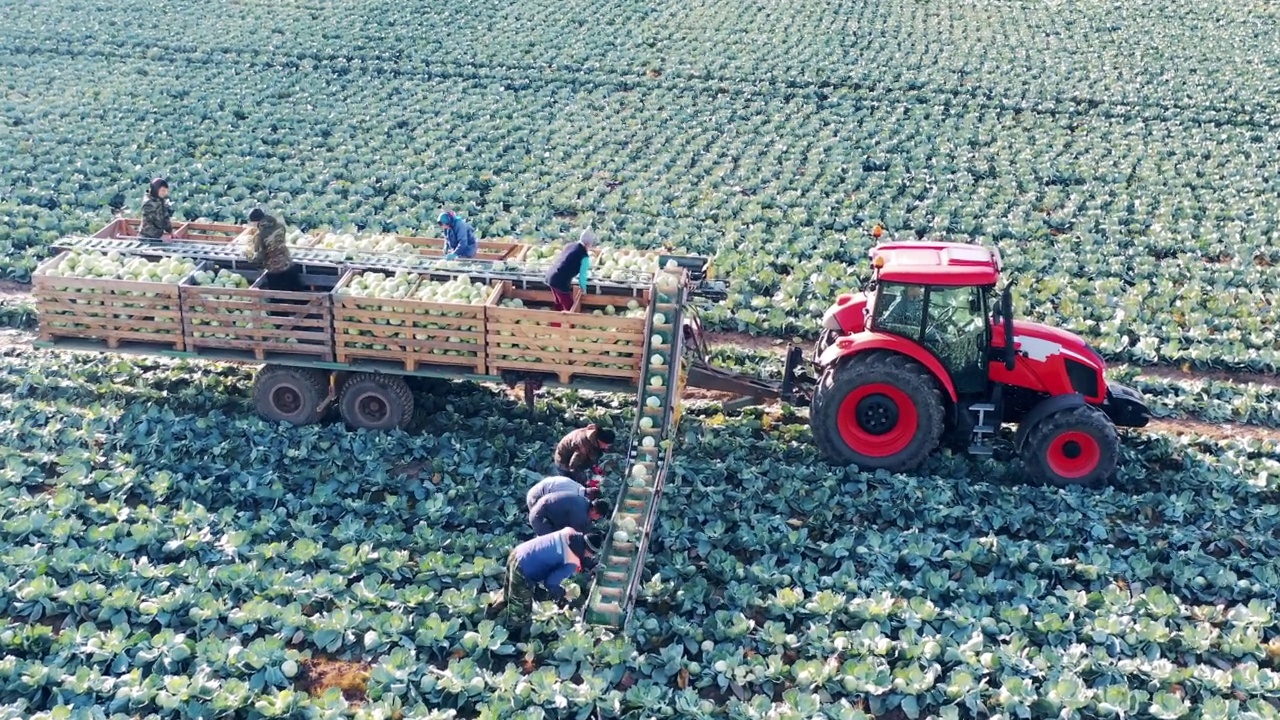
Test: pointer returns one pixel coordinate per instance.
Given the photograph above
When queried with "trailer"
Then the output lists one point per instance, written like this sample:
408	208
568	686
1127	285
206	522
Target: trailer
326	347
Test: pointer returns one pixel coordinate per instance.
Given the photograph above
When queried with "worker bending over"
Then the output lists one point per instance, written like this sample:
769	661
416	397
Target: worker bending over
157	212
573	260
459	237
548	561
558	483
579	452
268	250
561	510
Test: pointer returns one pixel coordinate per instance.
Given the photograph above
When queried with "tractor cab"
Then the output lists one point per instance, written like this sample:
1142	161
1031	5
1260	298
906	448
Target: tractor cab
939	295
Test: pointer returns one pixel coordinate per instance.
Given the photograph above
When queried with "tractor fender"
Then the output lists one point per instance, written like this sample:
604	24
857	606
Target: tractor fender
851	345
848	314
1044	409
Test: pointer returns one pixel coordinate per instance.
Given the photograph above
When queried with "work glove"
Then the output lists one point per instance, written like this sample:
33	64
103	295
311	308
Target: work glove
597	470
451	256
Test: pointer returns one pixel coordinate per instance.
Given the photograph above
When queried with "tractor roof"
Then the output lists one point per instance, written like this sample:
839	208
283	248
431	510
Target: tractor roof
936	263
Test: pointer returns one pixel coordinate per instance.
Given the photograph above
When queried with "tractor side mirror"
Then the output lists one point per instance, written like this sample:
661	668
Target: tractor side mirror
1006	317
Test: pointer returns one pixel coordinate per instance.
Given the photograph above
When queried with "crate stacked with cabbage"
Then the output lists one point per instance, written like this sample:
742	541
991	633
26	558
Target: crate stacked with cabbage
411	319
205	322
111	297
603	337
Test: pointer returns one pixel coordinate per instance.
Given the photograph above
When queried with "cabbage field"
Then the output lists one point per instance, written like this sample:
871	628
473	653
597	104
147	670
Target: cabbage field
165	553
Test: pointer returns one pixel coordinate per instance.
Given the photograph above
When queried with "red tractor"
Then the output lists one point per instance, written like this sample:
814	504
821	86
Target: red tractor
931	350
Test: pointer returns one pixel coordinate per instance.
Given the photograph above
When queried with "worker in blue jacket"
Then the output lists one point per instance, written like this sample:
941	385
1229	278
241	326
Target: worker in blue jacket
566	509
459	237
548	561
559	483
573	261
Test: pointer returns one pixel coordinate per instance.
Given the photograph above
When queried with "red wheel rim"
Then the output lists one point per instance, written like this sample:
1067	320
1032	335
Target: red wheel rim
1073	454
878	420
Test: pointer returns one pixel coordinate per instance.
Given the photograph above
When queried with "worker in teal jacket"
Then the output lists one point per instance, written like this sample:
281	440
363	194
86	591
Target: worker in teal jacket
459	237
548	561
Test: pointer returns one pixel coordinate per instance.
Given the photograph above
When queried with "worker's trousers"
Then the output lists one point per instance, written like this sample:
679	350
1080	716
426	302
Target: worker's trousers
542	526
517	595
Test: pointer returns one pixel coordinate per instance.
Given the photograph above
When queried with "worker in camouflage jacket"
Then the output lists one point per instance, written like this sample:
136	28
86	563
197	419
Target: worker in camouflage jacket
267	249
545	561
579	452
157	213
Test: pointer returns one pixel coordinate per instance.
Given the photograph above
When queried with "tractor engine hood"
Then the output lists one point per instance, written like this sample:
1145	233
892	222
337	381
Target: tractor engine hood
1041	342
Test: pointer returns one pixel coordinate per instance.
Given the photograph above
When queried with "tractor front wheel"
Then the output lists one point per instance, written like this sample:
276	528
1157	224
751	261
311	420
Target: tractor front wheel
376	402
878	410
288	394
1076	446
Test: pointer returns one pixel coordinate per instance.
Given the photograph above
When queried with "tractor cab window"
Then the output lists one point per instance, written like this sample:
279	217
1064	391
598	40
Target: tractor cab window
899	309
956	331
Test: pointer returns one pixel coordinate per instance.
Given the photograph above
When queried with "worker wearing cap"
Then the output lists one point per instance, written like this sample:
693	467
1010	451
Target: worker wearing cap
573	260
559	483
570	509
459	237
548	561
579	451
157	212
268	250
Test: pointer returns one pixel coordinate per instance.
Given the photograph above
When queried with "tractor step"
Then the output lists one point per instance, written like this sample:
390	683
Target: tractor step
984	450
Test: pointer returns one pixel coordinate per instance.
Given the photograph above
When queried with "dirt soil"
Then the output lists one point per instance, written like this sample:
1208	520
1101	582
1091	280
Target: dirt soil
321	673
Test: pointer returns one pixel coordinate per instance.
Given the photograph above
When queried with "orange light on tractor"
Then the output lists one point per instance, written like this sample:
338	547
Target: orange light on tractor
877	231
878	262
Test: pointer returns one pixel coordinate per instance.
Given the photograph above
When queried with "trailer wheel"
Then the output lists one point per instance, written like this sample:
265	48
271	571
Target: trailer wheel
288	394
376	402
878	410
1076	446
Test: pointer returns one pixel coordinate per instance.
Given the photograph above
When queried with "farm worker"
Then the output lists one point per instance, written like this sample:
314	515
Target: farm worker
580	451
459	237
548	561
157	212
557	483
574	259
267	248
566	509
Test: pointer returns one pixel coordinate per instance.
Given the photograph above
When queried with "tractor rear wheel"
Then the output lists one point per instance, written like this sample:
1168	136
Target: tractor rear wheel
288	394
1076	446
878	410
376	402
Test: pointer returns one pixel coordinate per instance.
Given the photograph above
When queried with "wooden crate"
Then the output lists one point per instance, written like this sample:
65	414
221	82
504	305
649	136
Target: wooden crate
566	345
410	333
275	322
493	250
106	309
123	228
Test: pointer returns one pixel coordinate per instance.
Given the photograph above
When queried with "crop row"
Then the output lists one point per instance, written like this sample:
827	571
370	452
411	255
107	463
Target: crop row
126	563
786	218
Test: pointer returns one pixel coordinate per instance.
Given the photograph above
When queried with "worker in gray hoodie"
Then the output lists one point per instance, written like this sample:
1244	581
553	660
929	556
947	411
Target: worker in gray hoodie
566	509
558	483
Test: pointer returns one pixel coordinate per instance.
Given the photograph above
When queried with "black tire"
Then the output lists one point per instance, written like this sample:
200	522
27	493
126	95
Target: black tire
293	395
879	397
1076	446
376	402
825	340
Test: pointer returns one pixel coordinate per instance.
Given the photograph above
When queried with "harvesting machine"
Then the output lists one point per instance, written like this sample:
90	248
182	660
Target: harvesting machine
921	352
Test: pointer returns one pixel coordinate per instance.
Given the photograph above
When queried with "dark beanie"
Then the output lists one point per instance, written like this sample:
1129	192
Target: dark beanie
605	435
256	215
594	540
156	184
578	543
593	492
